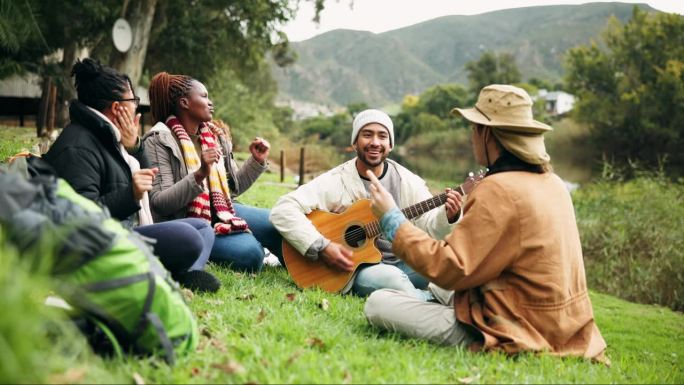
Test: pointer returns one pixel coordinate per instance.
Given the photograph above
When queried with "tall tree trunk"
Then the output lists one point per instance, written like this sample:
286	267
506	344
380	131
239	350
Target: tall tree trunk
140	14
65	89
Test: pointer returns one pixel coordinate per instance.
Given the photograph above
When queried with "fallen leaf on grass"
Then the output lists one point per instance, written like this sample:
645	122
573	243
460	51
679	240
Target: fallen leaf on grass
347	377
246	297
205	332
261	315
218	344
316	342
138	379
294	357
265	363
325	304
187	294
468	380
230	367
69	377
194	372
290	296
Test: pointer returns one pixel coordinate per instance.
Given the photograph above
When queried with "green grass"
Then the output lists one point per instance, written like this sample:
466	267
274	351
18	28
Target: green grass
15	139
263	329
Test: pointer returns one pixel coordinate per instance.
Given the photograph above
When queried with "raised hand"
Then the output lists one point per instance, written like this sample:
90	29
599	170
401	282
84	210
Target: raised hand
142	181
128	125
381	199
338	257
453	205
260	149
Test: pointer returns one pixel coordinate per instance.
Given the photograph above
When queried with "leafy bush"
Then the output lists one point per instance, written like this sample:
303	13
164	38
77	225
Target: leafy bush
632	238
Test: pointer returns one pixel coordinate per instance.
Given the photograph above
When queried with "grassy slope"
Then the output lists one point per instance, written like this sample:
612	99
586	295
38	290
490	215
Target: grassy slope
263	329
252	332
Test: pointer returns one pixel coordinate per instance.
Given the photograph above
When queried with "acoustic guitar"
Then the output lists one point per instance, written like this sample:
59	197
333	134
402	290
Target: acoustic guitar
356	228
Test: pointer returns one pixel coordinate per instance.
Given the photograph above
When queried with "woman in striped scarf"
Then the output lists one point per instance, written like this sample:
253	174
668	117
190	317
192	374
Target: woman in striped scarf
198	176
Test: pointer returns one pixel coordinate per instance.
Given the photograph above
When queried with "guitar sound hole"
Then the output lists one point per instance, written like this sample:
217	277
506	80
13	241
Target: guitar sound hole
355	236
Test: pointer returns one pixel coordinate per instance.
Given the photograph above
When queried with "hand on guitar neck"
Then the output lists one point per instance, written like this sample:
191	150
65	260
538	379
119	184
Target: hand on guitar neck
338	257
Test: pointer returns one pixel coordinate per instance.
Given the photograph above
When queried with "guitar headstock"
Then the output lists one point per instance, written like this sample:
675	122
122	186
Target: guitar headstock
472	180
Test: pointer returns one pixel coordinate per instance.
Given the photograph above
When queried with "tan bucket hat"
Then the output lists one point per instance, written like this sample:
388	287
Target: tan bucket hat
504	106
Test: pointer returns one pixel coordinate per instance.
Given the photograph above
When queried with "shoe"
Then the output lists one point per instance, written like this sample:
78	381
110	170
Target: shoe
198	280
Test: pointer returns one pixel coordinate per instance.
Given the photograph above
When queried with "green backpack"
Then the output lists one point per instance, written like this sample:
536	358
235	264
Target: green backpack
106	273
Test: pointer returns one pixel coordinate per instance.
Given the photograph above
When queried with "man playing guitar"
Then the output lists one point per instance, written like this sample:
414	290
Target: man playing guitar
336	190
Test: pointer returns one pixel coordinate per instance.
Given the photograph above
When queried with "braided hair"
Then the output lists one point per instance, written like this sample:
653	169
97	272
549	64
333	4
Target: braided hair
97	85
165	90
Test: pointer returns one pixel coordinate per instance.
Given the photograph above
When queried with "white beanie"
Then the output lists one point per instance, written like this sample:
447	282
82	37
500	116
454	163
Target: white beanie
367	117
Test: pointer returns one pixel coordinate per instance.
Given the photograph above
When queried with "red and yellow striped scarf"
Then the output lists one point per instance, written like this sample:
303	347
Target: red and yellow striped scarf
217	186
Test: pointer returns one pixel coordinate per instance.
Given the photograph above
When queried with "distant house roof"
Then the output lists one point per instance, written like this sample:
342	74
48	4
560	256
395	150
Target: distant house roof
28	86
554	95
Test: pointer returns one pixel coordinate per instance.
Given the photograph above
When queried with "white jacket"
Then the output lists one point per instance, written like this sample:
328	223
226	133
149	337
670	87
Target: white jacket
336	190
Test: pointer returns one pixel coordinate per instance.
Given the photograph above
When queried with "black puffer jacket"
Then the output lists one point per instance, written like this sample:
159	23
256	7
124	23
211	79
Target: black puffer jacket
86	154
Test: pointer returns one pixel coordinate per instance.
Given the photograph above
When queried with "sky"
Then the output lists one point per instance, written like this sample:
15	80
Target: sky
385	15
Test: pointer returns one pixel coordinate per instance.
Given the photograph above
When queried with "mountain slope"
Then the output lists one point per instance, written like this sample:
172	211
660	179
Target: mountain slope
343	66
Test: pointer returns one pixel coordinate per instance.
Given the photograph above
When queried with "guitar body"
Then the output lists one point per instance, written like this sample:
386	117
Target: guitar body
345	228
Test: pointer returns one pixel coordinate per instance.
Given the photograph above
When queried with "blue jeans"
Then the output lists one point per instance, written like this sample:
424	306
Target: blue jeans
182	244
386	276
245	251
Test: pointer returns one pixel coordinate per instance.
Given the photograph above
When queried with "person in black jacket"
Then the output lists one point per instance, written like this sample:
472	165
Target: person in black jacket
102	157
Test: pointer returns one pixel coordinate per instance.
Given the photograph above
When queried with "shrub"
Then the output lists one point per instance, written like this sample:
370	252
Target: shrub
632	238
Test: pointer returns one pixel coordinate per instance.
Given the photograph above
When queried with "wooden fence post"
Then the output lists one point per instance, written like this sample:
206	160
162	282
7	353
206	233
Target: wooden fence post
52	109
282	166
301	166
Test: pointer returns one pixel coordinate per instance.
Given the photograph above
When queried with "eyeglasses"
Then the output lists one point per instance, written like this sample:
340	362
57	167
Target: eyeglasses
135	100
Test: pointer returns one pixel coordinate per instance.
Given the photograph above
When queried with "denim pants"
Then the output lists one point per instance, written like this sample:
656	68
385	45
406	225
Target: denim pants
245	251
390	276
182	244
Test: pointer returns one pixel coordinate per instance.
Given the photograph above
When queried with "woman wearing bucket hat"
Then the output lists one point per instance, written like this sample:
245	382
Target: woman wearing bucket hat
510	276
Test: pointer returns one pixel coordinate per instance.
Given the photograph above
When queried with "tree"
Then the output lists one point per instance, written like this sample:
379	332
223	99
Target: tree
492	69
630	89
439	100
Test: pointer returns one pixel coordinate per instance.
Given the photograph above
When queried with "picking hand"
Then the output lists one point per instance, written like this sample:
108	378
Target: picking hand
127	125
453	204
338	257
381	199
142	181
260	149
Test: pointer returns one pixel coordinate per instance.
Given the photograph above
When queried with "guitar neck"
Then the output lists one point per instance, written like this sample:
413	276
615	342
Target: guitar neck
373	228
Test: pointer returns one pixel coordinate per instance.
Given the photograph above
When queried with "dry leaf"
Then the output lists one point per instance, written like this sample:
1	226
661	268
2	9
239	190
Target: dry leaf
187	294
138	379
316	342
230	367
347	377
205	332
69	377
218	344
325	305
194	372
468	380
246	297
265	363
290	296
294	357
261	315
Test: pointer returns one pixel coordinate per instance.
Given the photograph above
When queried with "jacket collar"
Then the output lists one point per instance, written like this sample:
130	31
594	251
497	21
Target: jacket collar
166	138
84	116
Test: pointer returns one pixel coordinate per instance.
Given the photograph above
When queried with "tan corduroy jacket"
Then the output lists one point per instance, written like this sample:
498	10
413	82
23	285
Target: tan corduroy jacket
515	262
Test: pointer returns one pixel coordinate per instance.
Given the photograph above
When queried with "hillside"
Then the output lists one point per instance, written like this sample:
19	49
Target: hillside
343	66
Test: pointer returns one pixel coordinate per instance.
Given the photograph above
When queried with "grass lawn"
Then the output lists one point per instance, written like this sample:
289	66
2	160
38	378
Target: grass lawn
263	329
